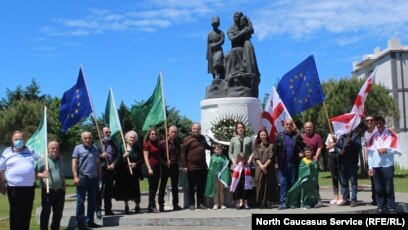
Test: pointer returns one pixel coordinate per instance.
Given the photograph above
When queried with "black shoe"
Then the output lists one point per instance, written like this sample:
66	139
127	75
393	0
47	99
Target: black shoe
380	211
191	207
98	214
201	206
126	210
161	208
138	210
153	210
353	203
94	225
109	213
392	211
177	208
281	207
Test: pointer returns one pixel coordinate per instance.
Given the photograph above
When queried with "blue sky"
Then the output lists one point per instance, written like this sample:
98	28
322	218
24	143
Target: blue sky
125	44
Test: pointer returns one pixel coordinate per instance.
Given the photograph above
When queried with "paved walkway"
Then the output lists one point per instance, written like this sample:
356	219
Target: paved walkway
217	219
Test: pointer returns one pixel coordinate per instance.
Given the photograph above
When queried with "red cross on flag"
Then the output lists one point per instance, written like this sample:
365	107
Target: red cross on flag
345	123
358	106
274	115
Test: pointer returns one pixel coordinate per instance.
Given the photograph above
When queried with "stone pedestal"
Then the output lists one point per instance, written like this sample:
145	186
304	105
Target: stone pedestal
214	109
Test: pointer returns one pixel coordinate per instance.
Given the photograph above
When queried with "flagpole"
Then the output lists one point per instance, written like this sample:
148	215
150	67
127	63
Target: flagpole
327	116
120	130
165	118
47	182
93	113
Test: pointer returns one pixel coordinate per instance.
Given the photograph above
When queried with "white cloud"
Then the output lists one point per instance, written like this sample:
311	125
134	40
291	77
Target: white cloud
300	19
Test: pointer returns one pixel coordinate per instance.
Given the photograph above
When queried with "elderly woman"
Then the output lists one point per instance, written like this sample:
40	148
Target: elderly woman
127	185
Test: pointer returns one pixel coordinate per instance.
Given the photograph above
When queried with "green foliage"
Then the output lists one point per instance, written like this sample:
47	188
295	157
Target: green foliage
224	128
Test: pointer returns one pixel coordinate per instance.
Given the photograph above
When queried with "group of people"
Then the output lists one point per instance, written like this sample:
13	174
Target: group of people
107	171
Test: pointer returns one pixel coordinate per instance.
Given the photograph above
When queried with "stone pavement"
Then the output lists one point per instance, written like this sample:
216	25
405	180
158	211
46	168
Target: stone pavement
216	219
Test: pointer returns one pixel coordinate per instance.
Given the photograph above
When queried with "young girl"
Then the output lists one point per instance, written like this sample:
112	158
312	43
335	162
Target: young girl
241	184
304	192
218	177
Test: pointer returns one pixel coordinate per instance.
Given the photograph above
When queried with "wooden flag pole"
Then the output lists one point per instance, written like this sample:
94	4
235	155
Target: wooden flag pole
327	116
47	181
99	134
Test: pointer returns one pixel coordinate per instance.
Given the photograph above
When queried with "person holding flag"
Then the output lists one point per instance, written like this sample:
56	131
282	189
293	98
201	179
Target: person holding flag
55	198
18	164
382	147
108	158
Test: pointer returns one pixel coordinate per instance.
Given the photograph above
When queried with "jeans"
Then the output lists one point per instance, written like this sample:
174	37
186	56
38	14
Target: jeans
173	173
348	172
334	166
288	175
86	186
384	187
54	200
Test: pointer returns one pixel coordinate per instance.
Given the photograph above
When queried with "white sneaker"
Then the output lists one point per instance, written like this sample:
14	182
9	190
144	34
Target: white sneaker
215	207
223	207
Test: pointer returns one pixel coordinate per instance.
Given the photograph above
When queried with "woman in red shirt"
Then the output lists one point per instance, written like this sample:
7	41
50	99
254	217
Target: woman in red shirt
152	159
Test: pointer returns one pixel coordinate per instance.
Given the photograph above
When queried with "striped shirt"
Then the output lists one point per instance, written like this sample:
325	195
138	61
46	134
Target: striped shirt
19	166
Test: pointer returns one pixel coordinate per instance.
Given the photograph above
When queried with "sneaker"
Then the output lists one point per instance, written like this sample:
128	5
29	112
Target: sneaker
339	202
353	203
334	201
215	207
191	207
380	211
246	207
177	208
281	207
223	207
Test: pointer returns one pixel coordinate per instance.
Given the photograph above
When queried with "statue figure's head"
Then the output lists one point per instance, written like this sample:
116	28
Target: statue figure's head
237	17
215	21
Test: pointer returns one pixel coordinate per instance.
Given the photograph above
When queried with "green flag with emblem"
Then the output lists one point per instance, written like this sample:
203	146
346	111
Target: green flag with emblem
151	112
38	141
112	118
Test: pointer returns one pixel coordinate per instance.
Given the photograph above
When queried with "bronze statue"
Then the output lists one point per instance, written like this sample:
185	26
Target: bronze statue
215	55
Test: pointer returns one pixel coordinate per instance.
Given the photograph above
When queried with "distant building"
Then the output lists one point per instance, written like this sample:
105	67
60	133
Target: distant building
392	72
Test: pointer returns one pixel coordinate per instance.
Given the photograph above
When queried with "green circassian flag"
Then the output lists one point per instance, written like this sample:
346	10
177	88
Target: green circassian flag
151	112
112	118
38	141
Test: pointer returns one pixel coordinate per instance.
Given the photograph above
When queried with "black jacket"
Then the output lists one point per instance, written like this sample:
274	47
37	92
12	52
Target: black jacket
279	149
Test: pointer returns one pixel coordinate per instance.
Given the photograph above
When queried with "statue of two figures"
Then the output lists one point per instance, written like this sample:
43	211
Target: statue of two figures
236	74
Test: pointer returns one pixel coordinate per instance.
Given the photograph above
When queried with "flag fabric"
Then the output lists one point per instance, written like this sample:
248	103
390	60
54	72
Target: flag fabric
274	115
75	104
236	175
38	141
112	118
358	106
345	123
151	112
300	88
386	139
218	170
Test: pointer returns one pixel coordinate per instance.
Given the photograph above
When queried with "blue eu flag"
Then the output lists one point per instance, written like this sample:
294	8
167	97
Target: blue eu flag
75	104
300	88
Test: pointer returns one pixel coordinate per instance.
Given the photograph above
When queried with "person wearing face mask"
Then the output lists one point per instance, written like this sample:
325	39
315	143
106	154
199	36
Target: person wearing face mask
18	164
108	158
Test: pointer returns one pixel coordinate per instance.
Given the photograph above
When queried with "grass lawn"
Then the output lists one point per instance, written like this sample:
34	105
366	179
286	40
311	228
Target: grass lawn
400	183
